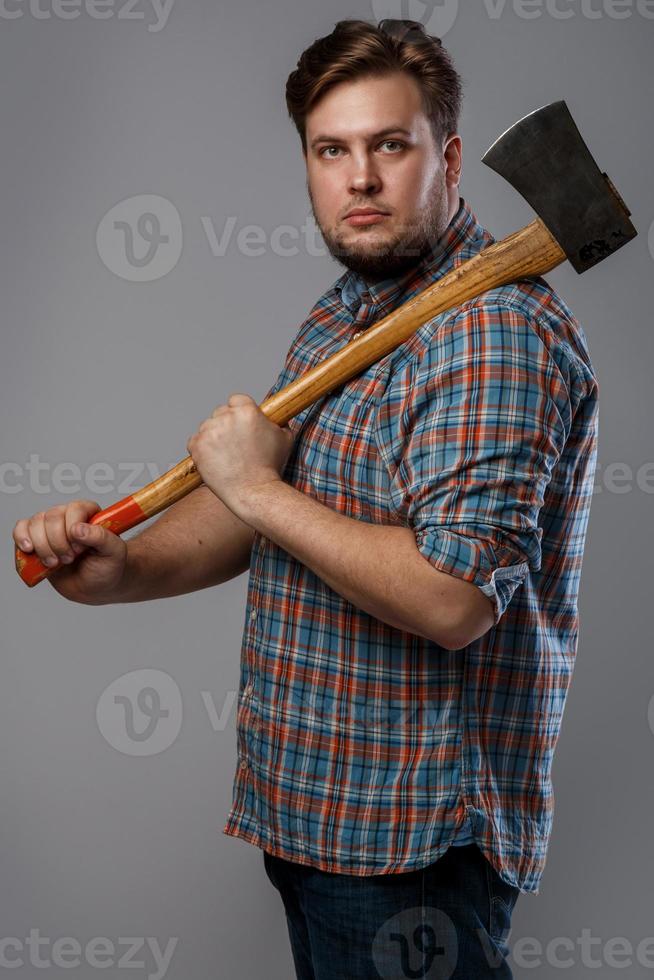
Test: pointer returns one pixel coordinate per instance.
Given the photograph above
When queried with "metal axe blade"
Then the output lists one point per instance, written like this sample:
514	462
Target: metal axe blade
545	158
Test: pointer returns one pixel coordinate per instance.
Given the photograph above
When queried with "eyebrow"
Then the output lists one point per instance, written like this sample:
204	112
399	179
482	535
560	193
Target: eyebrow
381	132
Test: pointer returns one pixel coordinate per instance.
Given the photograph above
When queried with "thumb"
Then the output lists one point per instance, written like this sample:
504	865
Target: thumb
94	536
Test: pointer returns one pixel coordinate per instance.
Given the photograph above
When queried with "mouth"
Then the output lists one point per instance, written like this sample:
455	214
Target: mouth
365	216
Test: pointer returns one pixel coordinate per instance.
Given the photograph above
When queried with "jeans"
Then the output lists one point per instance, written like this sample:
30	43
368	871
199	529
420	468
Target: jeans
447	921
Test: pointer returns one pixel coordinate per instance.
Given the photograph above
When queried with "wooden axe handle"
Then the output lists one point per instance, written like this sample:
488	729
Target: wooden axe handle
528	252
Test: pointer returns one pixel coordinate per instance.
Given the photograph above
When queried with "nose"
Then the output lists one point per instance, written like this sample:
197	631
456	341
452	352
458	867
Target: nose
364	177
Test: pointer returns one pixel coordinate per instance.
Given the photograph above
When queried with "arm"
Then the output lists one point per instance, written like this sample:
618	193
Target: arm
195	543
471	454
376	567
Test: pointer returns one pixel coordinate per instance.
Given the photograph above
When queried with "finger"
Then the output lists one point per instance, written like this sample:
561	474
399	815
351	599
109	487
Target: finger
79	511
21	535
104	542
239	398
42	547
55	529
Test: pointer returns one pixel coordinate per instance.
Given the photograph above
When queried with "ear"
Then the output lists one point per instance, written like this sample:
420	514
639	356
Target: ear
452	153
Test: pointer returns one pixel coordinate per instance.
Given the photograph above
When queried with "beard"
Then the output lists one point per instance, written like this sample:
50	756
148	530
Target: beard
378	260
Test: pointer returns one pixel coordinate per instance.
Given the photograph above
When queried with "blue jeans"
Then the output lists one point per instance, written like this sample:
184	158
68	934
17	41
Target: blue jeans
447	921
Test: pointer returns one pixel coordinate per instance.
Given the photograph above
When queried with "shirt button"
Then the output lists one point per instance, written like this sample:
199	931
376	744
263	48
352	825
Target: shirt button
253	614
357	334
244	764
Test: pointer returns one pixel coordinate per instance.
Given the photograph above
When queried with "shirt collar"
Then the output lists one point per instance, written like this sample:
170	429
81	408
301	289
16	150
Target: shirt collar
352	288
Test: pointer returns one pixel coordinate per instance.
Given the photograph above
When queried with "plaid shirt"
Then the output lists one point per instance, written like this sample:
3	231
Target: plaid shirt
364	749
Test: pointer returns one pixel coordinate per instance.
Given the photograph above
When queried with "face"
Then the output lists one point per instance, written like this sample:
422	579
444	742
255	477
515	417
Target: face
371	148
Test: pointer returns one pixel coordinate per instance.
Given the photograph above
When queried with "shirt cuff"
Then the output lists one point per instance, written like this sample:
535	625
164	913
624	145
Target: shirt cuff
475	561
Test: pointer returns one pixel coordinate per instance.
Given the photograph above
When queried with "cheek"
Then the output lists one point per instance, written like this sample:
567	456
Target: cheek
412	184
327	193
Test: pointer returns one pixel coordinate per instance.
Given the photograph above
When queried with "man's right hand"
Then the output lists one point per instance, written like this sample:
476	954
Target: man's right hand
89	560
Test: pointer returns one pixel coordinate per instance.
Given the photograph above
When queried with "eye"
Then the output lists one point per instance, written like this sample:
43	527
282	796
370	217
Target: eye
323	152
398	144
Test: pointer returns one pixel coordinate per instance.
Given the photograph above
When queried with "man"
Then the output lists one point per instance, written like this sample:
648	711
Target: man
414	540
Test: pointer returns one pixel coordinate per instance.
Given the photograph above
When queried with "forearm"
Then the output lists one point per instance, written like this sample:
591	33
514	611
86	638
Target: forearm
195	543
377	568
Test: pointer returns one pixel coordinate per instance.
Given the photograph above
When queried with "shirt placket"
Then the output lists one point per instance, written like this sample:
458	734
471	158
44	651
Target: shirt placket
253	730
365	314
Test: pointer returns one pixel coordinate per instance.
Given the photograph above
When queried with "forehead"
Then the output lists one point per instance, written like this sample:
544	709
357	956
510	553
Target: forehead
366	105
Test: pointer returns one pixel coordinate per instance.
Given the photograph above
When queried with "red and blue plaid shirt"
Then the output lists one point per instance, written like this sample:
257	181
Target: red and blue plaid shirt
364	749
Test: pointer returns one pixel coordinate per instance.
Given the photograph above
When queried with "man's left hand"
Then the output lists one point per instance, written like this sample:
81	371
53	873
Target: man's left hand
238	449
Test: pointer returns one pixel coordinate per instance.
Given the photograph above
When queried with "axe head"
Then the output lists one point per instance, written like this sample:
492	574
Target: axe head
545	158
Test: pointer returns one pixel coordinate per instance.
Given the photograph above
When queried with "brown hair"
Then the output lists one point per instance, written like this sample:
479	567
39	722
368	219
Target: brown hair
356	49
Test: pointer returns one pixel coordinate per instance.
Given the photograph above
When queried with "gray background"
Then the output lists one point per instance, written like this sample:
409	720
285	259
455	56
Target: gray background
98	842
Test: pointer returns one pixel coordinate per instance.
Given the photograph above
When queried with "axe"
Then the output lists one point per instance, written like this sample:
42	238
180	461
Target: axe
581	217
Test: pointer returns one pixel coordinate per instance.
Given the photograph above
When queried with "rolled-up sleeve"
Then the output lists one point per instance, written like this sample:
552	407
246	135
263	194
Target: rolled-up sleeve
475	435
